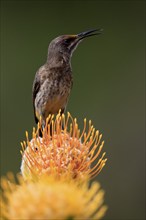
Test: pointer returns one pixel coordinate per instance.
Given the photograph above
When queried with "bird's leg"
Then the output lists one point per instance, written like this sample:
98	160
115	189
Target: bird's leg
61	112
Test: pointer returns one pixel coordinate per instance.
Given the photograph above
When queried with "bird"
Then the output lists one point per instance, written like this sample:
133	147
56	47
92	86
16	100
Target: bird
54	80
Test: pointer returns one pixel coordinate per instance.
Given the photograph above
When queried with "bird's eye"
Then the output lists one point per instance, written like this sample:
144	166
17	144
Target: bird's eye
67	41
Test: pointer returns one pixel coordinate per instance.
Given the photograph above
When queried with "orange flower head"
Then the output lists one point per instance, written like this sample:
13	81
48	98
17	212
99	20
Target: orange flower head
63	151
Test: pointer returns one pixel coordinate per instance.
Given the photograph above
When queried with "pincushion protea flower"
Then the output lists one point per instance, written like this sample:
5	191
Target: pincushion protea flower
48	198
64	153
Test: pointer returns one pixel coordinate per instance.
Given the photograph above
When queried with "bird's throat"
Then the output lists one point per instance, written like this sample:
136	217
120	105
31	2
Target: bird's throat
59	60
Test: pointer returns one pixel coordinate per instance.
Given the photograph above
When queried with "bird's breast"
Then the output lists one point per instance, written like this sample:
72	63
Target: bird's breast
53	94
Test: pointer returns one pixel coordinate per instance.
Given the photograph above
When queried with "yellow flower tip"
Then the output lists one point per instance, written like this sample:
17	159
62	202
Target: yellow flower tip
63	151
49	198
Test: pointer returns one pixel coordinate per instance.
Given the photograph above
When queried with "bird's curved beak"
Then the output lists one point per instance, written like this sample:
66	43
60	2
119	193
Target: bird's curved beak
89	33
79	37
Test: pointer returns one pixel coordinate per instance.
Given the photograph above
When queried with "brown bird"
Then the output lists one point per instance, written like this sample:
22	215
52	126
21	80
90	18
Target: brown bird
53	81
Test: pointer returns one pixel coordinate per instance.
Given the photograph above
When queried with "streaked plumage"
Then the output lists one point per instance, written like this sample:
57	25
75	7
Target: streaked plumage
53	81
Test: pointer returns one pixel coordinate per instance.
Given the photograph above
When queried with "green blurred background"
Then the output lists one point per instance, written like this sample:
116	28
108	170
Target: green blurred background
108	86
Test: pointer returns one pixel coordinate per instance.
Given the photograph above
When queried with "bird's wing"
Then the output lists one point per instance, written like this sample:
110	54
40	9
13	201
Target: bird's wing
36	87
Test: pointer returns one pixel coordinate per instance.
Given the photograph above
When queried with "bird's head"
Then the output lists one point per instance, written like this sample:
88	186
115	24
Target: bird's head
65	45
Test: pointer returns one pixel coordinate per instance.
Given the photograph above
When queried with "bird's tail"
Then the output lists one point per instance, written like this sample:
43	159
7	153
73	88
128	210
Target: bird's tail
45	125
